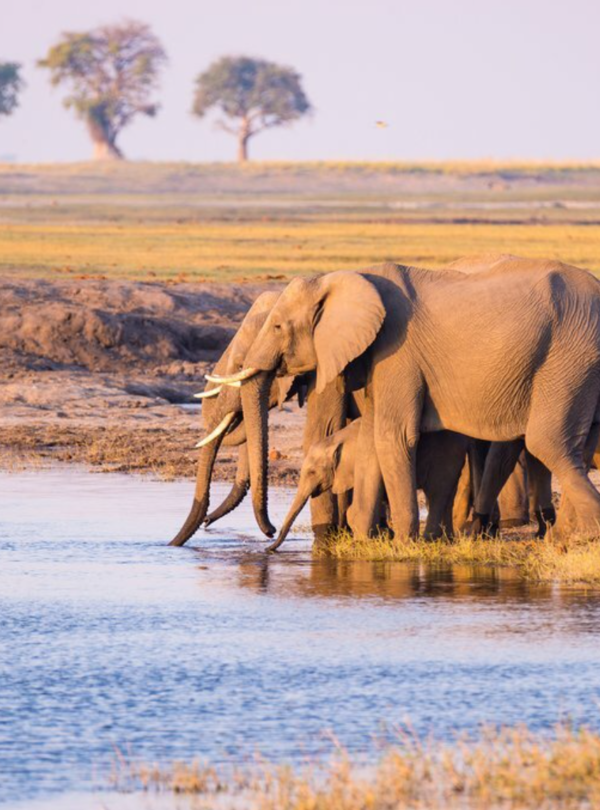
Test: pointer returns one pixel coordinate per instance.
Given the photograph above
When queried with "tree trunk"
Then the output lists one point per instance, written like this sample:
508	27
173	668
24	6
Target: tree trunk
243	138
105	147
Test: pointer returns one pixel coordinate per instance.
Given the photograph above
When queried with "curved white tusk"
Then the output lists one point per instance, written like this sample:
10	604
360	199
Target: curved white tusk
212	392
221	428
229	379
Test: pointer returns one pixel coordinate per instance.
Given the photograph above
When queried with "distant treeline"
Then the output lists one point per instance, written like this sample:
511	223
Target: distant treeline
111	75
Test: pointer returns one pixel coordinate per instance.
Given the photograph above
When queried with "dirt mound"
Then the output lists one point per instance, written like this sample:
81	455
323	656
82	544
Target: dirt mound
113	326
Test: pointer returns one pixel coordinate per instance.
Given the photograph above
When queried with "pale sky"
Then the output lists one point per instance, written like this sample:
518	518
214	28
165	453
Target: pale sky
452	78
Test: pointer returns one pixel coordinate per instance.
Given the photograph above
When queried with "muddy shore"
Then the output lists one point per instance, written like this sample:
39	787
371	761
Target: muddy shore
103	372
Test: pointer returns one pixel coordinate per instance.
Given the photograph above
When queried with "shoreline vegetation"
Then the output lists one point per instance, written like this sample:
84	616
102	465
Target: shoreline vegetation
575	561
504	767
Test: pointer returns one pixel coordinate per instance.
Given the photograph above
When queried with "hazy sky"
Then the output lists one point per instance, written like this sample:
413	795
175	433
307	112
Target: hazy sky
453	78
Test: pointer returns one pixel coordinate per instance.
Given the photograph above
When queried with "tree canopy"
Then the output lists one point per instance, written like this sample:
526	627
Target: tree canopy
257	93
111	73
11	84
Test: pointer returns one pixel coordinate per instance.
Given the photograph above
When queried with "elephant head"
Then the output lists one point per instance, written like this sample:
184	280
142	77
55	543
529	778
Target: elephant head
222	417
318	324
328	465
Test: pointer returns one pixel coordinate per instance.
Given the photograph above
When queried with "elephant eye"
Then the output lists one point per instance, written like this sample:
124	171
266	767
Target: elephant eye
277	327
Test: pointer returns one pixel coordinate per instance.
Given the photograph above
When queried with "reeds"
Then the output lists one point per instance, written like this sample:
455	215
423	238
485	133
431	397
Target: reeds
500	768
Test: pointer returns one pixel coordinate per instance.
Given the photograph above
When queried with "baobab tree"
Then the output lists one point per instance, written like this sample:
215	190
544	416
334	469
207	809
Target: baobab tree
11	84
252	95
111	72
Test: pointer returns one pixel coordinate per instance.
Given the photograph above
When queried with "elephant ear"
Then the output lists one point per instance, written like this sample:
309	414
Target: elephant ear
343	477
349	317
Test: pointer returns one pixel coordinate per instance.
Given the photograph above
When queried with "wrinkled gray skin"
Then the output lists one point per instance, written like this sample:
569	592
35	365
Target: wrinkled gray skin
330	465
325	413
507	472
511	352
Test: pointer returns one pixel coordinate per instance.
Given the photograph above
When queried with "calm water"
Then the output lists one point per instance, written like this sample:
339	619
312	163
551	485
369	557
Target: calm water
109	639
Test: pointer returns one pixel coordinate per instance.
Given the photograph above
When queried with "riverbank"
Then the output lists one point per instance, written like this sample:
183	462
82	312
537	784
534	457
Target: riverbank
103	373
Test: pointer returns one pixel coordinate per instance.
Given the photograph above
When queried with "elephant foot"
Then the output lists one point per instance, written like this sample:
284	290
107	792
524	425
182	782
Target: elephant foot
545	517
483	525
321	531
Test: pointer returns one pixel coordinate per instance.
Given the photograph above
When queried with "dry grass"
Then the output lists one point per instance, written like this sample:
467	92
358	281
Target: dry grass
576	561
224	222
511	767
233	251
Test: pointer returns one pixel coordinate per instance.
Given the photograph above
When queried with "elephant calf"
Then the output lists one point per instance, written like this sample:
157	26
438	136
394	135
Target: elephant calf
329	465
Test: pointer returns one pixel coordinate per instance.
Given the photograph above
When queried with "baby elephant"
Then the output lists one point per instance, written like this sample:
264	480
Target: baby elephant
329	465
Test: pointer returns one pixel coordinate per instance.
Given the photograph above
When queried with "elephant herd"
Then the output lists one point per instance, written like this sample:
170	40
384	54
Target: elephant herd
469	383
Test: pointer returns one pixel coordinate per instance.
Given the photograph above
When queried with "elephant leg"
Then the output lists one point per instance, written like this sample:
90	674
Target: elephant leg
499	464
440	460
364	515
540	489
513	500
567	510
344	499
463	500
569	459
325	414
396	447
323	514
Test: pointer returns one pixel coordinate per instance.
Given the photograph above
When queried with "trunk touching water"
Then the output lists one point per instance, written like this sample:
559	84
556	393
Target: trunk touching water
238	491
295	509
255	403
199	508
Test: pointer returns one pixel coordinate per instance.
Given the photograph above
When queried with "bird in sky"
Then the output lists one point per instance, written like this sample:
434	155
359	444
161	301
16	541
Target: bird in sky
381	124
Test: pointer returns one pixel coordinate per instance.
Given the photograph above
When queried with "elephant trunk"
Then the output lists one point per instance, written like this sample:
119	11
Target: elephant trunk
295	509
255	403
238	491
200	506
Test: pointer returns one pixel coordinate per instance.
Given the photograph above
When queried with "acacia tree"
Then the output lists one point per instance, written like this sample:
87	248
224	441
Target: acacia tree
11	84
252	95
111	73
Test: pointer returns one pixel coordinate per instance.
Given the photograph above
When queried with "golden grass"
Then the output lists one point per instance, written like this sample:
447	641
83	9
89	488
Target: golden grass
245	250
576	561
510	767
149	168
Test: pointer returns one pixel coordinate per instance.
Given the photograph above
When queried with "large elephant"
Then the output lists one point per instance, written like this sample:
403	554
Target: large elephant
224	423
330	465
508	353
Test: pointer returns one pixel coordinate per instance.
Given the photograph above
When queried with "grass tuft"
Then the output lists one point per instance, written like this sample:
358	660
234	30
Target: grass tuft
575	561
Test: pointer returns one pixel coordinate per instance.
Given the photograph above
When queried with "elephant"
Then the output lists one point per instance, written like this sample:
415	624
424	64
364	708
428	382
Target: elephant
507	353
223	420
330	465
522	484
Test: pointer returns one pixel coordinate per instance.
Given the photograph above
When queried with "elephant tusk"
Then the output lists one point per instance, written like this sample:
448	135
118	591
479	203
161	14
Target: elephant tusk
216	379
232	379
212	392
221	428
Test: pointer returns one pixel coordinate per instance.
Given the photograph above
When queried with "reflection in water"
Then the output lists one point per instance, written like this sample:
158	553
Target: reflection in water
328	578
111	638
